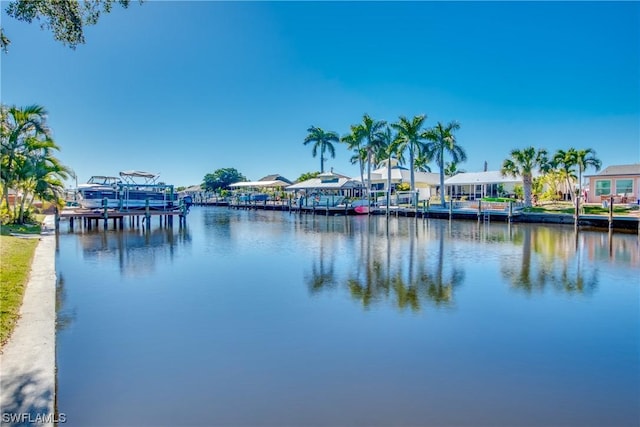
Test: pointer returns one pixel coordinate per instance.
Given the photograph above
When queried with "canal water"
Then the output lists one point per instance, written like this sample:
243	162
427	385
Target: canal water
256	318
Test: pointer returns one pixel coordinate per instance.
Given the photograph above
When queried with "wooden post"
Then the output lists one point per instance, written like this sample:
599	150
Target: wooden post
510	215
577	210
611	213
479	209
147	215
105	215
450	209
71	224
56	220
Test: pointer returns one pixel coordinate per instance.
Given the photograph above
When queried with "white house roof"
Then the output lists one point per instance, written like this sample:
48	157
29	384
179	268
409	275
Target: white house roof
488	177
259	184
333	184
633	169
400	174
193	188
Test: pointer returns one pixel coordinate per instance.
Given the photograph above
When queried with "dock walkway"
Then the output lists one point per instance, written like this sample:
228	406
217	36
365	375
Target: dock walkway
90	218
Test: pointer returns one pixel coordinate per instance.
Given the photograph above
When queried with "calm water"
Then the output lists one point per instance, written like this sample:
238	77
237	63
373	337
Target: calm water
271	319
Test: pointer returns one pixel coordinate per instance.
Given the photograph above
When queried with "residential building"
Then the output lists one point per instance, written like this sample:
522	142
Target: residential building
620	181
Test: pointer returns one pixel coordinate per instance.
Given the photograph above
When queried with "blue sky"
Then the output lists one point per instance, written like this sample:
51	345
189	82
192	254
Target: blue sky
184	88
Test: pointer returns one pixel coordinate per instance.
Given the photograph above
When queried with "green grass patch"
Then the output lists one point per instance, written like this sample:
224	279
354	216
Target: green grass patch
497	199
568	208
6	230
16	256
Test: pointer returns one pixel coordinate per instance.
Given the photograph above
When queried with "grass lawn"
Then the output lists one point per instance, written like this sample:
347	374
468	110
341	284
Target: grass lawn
568	208
16	255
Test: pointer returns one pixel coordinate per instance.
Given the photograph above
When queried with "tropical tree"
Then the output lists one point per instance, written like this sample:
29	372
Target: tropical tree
387	151
523	163
41	176
354	142
441	139
322	141
409	137
19	128
584	159
371	131
307	175
66	19
422	161
220	179
564	162
27	161
451	169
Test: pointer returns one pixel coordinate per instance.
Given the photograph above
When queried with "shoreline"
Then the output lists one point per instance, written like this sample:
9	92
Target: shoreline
28	360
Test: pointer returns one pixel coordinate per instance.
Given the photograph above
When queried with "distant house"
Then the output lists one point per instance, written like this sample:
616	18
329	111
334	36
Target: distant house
426	183
476	185
328	183
269	182
620	181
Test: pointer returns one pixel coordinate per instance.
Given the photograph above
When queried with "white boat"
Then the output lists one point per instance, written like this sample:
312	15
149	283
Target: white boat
137	188
132	190
98	188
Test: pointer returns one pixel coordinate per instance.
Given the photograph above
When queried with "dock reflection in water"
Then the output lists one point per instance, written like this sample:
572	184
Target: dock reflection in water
270	318
137	251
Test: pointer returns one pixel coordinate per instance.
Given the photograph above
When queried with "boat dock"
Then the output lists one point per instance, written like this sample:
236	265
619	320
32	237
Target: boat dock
90	218
485	212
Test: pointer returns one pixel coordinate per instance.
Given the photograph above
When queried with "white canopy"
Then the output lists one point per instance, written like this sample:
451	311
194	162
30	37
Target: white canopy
489	177
339	183
259	184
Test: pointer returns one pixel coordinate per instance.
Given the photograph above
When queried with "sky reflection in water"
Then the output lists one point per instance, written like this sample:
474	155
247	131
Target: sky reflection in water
269	318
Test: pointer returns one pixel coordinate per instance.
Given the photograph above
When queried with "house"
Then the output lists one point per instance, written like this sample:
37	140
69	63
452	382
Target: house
426	183
328	183
476	185
269	182
620	181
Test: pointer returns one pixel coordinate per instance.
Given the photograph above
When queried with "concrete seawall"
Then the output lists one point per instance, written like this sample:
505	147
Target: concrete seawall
27	362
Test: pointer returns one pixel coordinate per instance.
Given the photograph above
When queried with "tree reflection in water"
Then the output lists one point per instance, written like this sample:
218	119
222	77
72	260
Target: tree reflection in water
402	262
414	263
64	315
550	257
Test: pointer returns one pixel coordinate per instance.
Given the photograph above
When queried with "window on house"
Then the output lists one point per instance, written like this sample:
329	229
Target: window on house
603	187
624	186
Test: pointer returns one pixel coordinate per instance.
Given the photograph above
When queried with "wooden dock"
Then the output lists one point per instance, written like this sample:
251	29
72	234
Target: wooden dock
485	212
89	219
288	206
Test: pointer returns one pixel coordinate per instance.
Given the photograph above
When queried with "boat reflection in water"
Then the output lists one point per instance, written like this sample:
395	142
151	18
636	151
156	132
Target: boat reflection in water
136	251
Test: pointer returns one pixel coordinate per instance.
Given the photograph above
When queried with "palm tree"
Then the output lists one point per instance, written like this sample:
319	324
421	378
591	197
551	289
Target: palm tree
422	161
584	159
409	136
387	150
370	131
451	169
523	163
564	162
442	139
43	178
354	141
18	128
321	141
